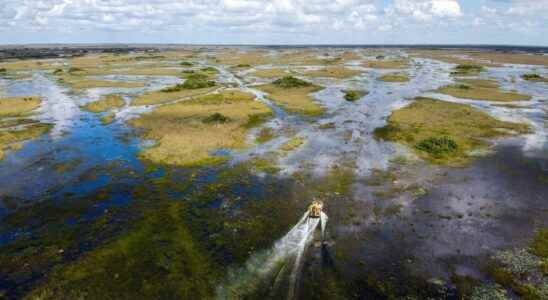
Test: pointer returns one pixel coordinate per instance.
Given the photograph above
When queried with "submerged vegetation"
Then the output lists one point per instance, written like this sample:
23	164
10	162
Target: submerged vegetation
186	132
434	129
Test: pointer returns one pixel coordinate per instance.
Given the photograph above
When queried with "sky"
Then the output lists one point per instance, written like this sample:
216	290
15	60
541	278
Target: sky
502	22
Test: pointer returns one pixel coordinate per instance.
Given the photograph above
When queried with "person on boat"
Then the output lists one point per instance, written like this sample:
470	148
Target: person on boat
315	209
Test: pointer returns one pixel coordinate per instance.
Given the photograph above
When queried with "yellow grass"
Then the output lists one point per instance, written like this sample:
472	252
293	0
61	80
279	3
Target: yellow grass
487	90
334	72
107	119
426	118
159	97
295	100
301	57
29	65
83	82
448	56
511	58
271	73
186	139
292	144
394	78
16	106
235	57
106	103
386	64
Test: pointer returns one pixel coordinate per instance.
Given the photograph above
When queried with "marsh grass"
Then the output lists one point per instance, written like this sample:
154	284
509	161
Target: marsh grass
386	64
487	90
189	130
77	81
444	132
16	106
394	78
108	102
159	97
294	95
271	73
333	72
293	144
11	139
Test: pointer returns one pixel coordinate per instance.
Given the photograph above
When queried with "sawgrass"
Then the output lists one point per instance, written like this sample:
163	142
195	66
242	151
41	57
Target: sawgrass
444	132
478	89
271	73
16	106
79	82
333	72
386	64
534	77
187	131
294	99
159	97
106	103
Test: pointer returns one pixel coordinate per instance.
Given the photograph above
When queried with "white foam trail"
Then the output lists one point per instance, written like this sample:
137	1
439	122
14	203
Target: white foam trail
323	218
263	266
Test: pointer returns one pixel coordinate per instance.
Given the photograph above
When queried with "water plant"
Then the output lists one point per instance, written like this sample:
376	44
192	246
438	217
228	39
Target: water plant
533	77
354	95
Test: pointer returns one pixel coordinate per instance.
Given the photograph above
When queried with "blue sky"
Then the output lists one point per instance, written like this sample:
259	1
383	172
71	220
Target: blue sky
522	22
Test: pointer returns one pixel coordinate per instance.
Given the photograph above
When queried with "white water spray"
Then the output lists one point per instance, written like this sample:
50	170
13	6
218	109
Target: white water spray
273	263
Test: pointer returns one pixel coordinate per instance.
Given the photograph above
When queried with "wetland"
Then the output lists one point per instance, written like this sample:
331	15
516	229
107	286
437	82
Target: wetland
184	173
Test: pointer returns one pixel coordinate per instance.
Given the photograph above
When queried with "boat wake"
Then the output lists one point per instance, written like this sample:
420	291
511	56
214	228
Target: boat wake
267	271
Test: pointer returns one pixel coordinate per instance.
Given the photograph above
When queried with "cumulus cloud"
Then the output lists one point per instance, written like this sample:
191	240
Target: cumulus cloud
261	17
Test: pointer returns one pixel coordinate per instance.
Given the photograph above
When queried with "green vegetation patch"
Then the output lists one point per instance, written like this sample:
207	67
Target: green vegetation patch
444	132
9	139
467	70
534	77
354	95
289	82
193	82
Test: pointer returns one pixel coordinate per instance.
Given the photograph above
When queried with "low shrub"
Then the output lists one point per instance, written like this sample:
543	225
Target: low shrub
438	146
186	64
288	82
531	77
216	118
